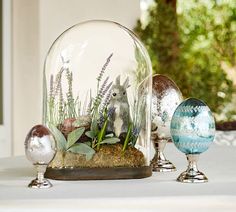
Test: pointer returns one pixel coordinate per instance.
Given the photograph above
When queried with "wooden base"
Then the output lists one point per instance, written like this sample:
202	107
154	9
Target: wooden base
98	173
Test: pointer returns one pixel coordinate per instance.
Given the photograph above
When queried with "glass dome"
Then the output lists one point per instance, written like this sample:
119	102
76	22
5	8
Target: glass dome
97	98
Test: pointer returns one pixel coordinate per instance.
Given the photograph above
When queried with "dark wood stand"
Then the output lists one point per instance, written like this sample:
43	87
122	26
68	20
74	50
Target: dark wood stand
98	173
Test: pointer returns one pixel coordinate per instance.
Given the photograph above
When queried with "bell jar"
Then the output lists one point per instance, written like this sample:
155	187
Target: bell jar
97	99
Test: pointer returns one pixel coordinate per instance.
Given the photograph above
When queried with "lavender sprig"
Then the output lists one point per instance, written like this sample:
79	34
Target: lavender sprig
104	85
57	82
60	105
135	131
111	111
51	100
101	119
104	67
107	88
99	78
51	88
105	115
102	92
106	100
69	77
89	110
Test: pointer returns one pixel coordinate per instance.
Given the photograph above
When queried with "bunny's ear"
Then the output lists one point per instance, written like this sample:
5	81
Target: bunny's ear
118	80
126	83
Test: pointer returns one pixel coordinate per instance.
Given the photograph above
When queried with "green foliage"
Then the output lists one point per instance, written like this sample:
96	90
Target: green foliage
82	148
90	134
110	140
71	145
102	94
161	36
191	45
127	138
101	134
99	108
59	137
74	136
60	108
71	103
141	71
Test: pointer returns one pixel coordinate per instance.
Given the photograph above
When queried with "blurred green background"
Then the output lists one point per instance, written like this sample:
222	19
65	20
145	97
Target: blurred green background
194	43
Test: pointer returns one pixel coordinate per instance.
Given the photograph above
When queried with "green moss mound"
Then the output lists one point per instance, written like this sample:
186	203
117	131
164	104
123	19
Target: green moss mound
107	156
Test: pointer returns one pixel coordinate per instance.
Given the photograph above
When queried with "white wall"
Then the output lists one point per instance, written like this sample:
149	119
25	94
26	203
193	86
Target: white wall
26	83
36	24
58	15
5	127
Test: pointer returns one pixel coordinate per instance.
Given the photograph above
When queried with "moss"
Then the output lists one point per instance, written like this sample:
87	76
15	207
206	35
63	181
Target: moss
107	156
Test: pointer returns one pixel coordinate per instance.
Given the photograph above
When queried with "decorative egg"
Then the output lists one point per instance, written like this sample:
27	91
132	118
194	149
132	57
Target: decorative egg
40	145
192	126
166	96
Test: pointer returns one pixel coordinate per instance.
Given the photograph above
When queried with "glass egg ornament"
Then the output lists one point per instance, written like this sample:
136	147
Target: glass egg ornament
166	96
192	131
40	149
97	88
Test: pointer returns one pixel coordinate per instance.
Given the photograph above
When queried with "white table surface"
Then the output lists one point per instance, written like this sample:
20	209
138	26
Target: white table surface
157	193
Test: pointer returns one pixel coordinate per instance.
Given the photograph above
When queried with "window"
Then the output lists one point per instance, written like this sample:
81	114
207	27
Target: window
193	42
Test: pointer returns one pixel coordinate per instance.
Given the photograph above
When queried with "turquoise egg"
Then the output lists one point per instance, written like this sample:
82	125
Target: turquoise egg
192	126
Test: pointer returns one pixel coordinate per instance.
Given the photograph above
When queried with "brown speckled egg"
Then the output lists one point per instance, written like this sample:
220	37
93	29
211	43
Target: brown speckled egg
166	97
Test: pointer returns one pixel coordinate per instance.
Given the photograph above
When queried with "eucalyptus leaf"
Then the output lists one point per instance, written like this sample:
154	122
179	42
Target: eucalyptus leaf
74	136
89	156
60	139
77	123
94	126
84	149
89	143
110	140
109	135
90	134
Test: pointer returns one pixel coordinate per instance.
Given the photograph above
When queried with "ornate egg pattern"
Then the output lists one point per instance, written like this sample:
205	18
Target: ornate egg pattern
192	126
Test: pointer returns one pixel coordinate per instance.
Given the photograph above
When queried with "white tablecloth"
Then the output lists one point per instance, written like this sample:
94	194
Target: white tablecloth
158	193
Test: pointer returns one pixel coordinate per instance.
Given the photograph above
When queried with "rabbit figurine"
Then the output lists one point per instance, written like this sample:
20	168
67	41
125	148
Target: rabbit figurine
120	118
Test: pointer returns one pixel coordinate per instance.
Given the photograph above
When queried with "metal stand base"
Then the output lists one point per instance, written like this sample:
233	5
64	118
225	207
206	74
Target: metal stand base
197	177
162	166
159	163
192	174
40	184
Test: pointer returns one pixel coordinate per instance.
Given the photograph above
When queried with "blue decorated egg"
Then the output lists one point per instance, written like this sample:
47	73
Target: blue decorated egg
192	126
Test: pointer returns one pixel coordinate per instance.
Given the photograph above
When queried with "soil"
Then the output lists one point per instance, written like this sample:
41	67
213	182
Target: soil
107	156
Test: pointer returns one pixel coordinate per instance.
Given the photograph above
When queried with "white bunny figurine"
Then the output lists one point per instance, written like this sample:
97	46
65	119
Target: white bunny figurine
119	120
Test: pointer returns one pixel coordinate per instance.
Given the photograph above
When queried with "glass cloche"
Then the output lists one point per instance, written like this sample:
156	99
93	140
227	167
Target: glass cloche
97	99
